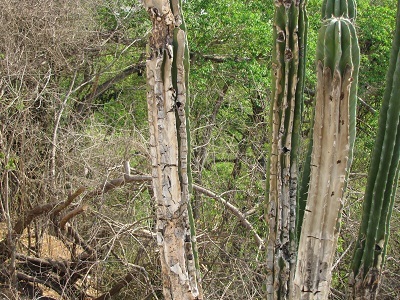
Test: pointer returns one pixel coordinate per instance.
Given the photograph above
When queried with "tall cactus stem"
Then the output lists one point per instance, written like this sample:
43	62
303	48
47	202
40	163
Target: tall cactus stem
344	9
167	67
177	10
288	84
381	186
332	142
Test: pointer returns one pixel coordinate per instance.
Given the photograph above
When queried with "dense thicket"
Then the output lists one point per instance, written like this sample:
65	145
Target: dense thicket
77	217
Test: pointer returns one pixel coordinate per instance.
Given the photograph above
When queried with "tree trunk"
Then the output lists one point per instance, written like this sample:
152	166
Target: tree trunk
166	98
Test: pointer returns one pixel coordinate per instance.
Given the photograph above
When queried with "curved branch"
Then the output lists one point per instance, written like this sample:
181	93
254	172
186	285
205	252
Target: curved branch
71	197
234	210
114	183
71	214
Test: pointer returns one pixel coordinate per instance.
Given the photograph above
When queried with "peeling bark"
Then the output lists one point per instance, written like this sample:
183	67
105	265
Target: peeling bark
166	98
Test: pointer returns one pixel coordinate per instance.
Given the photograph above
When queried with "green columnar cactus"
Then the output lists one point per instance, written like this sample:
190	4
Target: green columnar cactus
381	186
332	143
290	24
339	8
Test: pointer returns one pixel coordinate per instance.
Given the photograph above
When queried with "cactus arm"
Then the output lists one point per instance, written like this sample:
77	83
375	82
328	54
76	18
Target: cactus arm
369	255
181	48
382	118
278	161
382	179
374	166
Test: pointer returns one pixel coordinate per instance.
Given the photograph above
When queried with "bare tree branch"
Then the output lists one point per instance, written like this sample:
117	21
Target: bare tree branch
70	198
219	58
102	88
114	183
369	107
71	214
234	210
26	219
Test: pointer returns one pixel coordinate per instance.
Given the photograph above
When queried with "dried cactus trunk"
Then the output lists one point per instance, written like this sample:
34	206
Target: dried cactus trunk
290	24
345	9
381	187
167	68
333	139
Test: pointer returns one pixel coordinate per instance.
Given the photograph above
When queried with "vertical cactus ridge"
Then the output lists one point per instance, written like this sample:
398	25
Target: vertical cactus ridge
381	186
388	214
288	84
355	56
332	44
303	28
338	8
301	191
304	185
390	192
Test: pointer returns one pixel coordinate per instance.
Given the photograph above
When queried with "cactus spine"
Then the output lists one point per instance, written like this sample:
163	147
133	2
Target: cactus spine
381	186
332	143
290	25
167	75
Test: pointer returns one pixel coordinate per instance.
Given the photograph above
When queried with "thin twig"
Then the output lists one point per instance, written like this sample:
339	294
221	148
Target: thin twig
55	132
341	256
